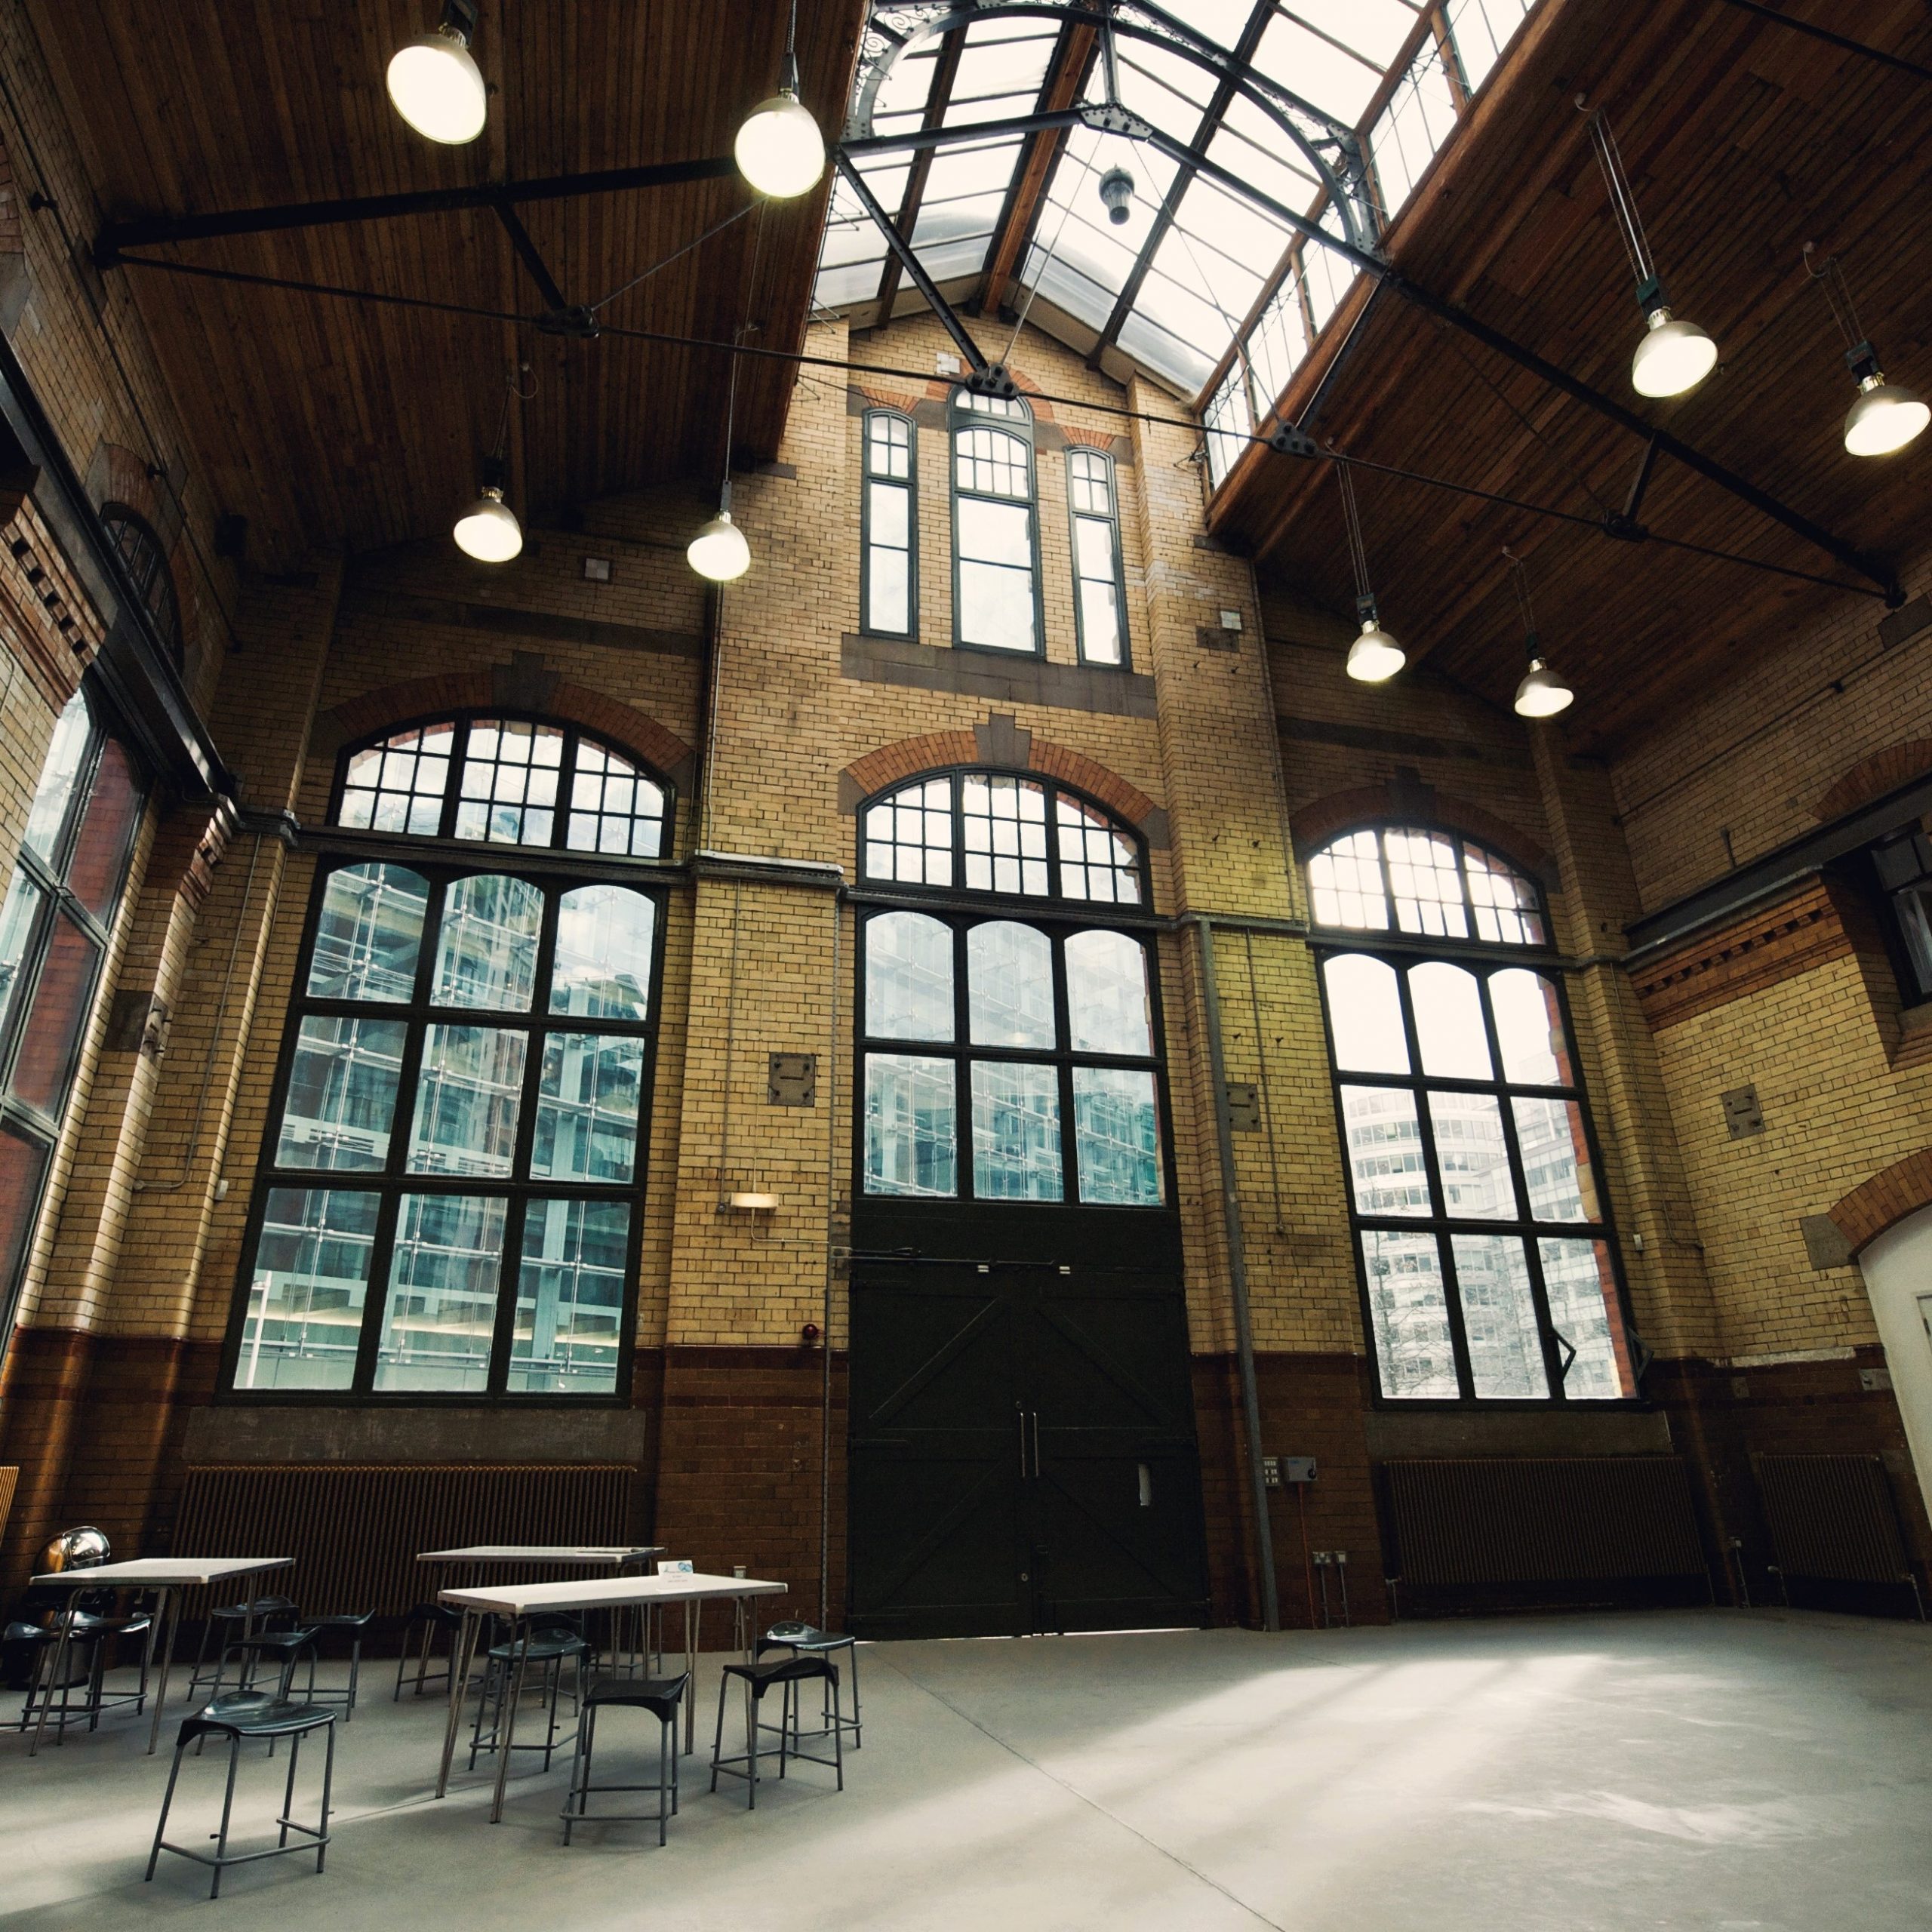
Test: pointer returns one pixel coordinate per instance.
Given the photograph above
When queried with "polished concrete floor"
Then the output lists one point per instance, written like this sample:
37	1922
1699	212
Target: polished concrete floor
1691	1770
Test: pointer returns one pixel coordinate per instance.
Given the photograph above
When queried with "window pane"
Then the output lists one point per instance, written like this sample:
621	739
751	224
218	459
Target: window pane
1345	882
1016	1132
570	1298
614	807
911	1127
1472	1157
1410	1314
1385	1164
995	607
589	1093
440	1313
22	1167
1106	995
1003	825
1010	985
602	970
1556	1161
1504	903
908	836
1498	1318
1117	1136
1449	1027
16	918
66	754
1093	549
992	461
888	591
306	1289
1529	1029
62	993
486	954
508	793
369	935
995	532
107	828
1581	1290
1365	1014
1100	622
887	522
399	785
1426	887
468	1096
908	978
341	1094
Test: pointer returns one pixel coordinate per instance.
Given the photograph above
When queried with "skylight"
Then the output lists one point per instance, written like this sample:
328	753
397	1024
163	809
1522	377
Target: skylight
1307	103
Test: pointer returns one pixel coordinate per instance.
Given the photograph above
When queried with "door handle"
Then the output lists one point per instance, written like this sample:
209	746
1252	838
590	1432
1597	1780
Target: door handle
1019	1415
1036	1444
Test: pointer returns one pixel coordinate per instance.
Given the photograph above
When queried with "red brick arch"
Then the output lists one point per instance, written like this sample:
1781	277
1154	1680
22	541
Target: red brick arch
1886	1199
1873	777
1326	817
933	750
515	689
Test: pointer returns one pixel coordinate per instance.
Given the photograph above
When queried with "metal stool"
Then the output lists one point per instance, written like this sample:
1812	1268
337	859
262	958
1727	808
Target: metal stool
266	1611
663	1697
430	1618
788	1673
802	1640
353	1623
87	1635
549	1648
234	1719
283	1648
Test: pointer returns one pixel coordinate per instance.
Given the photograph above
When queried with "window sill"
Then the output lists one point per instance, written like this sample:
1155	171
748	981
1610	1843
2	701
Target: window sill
1397	1430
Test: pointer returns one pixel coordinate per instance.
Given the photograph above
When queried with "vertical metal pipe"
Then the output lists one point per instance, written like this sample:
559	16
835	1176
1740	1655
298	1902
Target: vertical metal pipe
1264	1538
830	1272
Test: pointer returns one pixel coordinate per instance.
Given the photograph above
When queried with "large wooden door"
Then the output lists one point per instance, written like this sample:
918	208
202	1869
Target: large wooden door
1022	1449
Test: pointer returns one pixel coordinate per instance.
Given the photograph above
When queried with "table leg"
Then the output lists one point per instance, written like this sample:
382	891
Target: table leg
460	1654
57	1674
690	1668
506	1714
168	1611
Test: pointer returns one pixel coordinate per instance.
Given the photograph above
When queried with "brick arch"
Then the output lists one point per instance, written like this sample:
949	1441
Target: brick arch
997	742
1887	1198
1325	818
518	688
1873	777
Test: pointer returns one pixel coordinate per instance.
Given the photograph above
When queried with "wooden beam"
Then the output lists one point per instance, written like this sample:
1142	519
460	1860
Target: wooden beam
939	98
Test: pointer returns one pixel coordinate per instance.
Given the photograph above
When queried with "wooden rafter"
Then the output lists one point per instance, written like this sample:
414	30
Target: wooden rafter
945	70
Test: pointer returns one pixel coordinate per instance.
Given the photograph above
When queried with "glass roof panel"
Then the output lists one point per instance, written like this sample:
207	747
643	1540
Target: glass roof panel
1220	21
1000	71
1314	67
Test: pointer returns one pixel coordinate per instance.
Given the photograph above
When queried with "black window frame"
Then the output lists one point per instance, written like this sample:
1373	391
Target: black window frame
1482	958
1911	964
960	415
909	483
143	562
1076	453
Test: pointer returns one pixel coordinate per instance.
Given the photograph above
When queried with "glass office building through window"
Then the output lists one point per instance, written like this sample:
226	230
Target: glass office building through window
1488	1267
1006	1055
449	1200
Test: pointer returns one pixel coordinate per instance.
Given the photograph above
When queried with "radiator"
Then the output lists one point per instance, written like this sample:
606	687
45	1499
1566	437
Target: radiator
1832	1518
1576	1519
355	1529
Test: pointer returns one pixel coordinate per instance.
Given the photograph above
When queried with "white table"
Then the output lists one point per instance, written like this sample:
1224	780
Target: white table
165	1576
518	1602
588	1556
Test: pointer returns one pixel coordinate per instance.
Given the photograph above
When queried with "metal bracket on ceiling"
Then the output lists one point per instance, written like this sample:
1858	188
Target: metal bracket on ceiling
1287	440
994	379
1108	117
579	323
1623	524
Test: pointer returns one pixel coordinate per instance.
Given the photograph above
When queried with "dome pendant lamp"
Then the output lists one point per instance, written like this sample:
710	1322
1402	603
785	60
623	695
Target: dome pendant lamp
719	551
1886	416
1375	657
435	83
779	150
488	530
1675	355
1544	692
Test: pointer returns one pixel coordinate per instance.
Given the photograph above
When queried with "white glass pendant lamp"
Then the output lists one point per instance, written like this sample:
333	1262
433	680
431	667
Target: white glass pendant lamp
1544	692
1886	416
779	150
488	530
1374	657
435	83
719	551
1675	355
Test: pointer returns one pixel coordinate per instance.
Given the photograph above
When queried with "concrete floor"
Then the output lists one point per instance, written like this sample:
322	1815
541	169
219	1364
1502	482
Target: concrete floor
1693	1770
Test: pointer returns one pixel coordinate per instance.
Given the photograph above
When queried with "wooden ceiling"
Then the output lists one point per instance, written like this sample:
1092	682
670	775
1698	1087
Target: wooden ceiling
1744	140
331	423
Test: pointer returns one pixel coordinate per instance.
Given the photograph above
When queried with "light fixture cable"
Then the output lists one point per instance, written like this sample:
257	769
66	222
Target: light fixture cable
1830	278
1352	517
1623	203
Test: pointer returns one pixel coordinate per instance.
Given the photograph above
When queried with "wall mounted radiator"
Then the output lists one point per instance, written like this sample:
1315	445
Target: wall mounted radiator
355	1529
1832	1520
1465	1523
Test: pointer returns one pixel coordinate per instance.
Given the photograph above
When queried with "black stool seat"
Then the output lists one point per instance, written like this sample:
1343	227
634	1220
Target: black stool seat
664	1698
429	1618
787	1673
254	1714
540	1646
342	1619
805	1640
351	1624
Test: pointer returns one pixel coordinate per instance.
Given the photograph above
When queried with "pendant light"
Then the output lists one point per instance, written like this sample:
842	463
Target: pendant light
1675	355
1544	692
1886	416
719	550
779	149
435	82
1375	657
487	529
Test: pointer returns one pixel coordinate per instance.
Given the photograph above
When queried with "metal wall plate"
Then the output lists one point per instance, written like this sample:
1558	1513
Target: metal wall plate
792	1080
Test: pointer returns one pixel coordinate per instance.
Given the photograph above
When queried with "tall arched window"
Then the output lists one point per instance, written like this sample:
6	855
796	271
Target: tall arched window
1100	579
146	562
996	534
1489	1268
889	591
450	1197
1006	1054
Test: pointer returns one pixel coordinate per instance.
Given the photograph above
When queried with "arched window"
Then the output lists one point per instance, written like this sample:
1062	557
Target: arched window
889	591
996	535
1489	1269
1040	1034
146	563
509	781
1100	579
450	1197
